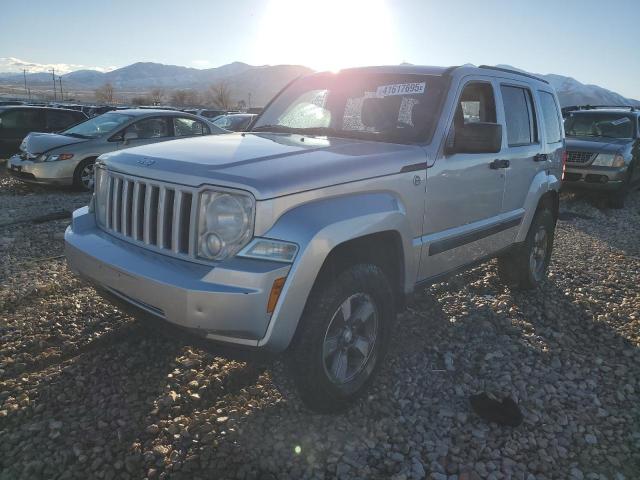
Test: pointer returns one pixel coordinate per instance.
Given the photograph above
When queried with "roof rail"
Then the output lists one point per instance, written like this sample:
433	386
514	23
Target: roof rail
515	72
595	107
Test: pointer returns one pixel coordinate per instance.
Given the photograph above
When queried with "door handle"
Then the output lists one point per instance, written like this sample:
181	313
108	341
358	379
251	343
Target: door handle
540	157
496	164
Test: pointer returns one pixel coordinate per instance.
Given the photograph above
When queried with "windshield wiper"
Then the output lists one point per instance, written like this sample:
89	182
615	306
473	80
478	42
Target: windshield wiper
274	129
76	135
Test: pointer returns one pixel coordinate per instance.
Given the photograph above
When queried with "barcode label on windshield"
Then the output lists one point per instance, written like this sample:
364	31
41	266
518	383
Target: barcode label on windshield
620	121
400	89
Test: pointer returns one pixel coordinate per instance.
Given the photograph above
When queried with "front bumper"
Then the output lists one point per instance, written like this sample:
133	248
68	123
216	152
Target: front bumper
225	303
51	173
594	178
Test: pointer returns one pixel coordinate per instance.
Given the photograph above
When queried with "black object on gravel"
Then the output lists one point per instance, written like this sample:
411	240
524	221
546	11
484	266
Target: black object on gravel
505	412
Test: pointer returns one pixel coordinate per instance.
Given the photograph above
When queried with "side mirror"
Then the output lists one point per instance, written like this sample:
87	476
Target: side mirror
129	136
478	137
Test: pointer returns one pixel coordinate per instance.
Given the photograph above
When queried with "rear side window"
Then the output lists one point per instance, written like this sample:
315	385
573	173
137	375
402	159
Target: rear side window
60	120
186	127
519	115
23	119
551	117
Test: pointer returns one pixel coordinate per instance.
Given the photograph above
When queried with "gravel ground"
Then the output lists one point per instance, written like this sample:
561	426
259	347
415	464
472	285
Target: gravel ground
86	392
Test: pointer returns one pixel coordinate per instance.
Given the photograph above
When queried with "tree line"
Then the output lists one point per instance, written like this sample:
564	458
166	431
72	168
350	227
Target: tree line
218	95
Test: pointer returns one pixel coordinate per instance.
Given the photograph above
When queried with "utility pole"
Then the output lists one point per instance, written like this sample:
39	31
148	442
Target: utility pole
24	72
249	106
53	75
60	82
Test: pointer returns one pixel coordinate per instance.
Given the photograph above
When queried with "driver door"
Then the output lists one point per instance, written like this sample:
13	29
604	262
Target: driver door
464	191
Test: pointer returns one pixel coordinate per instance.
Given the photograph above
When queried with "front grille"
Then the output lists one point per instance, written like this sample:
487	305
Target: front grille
579	157
157	215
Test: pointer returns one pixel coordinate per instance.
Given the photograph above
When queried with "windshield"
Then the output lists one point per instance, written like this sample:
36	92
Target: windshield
599	124
400	108
98	126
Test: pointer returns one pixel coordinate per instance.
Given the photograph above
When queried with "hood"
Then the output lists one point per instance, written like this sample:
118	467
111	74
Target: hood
37	143
268	165
597	144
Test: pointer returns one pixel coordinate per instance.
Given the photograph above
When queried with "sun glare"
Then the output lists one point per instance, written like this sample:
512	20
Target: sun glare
327	34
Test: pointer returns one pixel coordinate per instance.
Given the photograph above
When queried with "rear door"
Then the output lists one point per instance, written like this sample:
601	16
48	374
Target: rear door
521	143
17	123
463	219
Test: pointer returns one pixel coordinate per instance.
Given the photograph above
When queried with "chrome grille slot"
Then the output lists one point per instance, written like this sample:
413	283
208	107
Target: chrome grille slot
579	157
156	215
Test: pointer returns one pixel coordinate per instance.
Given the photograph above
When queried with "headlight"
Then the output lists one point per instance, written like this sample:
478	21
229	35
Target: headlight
58	156
225	223
609	160
267	249
101	195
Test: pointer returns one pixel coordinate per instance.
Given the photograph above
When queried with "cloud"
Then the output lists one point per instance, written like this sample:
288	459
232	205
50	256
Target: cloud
201	63
12	64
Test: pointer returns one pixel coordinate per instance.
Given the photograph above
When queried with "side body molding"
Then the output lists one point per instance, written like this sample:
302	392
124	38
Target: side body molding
317	228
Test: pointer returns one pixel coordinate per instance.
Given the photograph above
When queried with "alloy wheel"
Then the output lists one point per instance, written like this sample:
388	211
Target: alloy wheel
350	339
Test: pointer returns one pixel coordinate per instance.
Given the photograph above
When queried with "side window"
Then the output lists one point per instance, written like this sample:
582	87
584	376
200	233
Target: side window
157	127
22	119
59	120
185	127
551	117
476	104
519	115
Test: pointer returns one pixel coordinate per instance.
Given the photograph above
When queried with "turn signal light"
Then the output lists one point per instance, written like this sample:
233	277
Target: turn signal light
276	290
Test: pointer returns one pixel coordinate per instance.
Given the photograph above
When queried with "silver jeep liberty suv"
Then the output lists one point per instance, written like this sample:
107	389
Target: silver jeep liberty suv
305	235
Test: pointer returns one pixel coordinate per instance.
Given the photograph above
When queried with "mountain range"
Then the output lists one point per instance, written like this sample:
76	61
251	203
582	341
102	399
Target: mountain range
258	82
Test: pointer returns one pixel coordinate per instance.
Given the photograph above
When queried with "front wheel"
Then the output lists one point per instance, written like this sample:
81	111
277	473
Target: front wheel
83	176
342	337
525	267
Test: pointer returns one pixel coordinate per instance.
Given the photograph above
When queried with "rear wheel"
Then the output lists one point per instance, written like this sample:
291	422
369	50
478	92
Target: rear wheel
83	176
525	267
342	337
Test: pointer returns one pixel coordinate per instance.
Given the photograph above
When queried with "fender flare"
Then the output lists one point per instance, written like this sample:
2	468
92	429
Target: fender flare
317	228
542	183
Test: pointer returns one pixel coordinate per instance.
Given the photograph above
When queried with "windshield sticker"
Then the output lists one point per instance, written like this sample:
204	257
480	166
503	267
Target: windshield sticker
400	89
620	121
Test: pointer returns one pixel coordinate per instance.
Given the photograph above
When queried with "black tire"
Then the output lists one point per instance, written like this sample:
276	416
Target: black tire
360	286
78	175
515	268
617	198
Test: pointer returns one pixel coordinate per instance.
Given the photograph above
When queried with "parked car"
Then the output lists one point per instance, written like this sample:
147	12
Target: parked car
207	113
307	234
603	150
234	122
17	121
67	158
7	103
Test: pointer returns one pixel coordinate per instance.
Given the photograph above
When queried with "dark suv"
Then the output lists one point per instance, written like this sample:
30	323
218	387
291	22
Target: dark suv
17	122
603	149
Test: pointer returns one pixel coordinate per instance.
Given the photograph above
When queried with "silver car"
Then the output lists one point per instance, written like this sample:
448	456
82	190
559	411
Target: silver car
67	158
307	234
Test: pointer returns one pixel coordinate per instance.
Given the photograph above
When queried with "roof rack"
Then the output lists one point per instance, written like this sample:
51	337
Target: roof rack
515	72
595	107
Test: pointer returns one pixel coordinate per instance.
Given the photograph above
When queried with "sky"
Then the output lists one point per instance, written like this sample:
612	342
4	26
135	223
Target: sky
594	41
